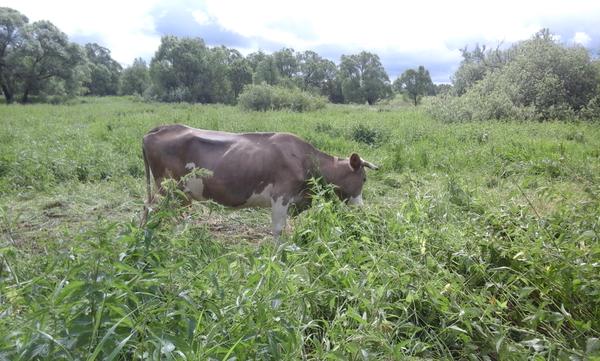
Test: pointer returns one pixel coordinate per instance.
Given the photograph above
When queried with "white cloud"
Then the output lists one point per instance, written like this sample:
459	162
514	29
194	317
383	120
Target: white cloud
125	27
201	17
582	38
429	26
427	29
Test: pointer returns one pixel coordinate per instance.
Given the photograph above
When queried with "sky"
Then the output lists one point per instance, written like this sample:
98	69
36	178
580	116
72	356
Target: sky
405	34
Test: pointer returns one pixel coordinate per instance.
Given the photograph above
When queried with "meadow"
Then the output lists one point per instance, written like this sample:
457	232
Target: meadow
478	241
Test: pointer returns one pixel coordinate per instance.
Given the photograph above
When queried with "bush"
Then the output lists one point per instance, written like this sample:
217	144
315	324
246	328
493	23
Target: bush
447	108
370	136
536	79
267	97
592	110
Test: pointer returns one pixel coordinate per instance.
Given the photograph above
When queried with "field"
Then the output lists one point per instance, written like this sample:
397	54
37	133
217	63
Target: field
477	241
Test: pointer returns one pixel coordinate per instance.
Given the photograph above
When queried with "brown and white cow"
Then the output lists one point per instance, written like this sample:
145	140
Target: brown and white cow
249	169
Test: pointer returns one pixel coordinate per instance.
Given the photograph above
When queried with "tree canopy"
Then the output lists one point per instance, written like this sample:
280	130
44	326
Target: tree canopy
415	84
363	78
36	58
105	72
135	79
539	78
182	69
11	21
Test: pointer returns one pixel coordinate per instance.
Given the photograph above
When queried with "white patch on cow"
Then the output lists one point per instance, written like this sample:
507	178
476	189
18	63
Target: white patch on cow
357	201
279	214
262	199
190	166
195	187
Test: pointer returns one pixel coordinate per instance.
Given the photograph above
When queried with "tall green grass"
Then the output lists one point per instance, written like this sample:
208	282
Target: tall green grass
479	241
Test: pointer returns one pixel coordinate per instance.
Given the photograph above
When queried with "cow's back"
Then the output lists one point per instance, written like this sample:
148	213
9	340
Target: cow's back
171	149
242	165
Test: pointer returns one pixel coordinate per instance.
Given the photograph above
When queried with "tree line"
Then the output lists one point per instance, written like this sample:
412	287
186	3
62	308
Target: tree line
37	59
538	78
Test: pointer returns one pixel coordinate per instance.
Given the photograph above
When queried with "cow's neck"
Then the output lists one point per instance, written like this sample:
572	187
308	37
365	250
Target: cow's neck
329	167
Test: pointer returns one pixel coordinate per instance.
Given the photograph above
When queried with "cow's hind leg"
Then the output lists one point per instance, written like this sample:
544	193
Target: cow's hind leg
151	200
279	213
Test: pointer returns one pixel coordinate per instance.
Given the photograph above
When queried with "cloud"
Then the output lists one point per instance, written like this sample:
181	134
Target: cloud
582	38
182	22
125	27
403	34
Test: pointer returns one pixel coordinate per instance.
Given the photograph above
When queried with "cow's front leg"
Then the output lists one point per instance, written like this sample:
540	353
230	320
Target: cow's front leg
279	213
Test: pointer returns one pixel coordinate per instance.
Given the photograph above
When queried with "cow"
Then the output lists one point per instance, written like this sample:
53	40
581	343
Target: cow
248	169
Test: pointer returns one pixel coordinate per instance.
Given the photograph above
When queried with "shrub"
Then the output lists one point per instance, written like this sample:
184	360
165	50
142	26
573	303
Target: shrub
536	79
370	136
592	109
479	106
267	97
326	128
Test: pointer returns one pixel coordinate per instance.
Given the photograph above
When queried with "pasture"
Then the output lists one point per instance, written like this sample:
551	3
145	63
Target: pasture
479	240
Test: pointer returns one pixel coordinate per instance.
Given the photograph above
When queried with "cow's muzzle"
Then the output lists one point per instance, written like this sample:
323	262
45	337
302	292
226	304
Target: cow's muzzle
356	201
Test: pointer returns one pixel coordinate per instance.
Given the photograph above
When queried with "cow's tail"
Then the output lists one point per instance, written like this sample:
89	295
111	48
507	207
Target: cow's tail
148	187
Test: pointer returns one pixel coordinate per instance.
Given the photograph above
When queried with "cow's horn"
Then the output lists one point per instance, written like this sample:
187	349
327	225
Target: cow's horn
369	165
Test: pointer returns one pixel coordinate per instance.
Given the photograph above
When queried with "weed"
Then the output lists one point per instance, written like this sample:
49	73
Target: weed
367	135
469	246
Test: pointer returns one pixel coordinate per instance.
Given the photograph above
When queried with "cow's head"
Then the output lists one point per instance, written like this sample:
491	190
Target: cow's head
351	178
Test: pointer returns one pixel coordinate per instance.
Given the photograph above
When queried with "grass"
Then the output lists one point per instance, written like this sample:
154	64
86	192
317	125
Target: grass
478	241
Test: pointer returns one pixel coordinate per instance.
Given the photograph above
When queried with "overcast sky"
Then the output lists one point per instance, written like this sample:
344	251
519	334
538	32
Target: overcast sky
405	34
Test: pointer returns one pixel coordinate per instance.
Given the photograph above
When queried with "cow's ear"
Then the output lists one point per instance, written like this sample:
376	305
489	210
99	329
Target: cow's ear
355	161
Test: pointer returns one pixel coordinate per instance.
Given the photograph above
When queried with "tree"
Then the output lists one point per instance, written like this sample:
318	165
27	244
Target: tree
443	89
286	62
185	69
476	64
220	85
179	70
135	79
105	72
266	71
538	78
316	74
415	83
44	60
333	90
548	75
239	71
11	23
363	78
255	58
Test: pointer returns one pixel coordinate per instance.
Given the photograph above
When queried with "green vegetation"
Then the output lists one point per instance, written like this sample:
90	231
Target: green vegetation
268	97
478	241
39	60
104	71
135	79
363	79
415	84
536	79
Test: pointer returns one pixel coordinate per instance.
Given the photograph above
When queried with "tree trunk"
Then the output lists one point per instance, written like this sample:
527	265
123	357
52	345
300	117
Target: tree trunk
7	94
25	98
